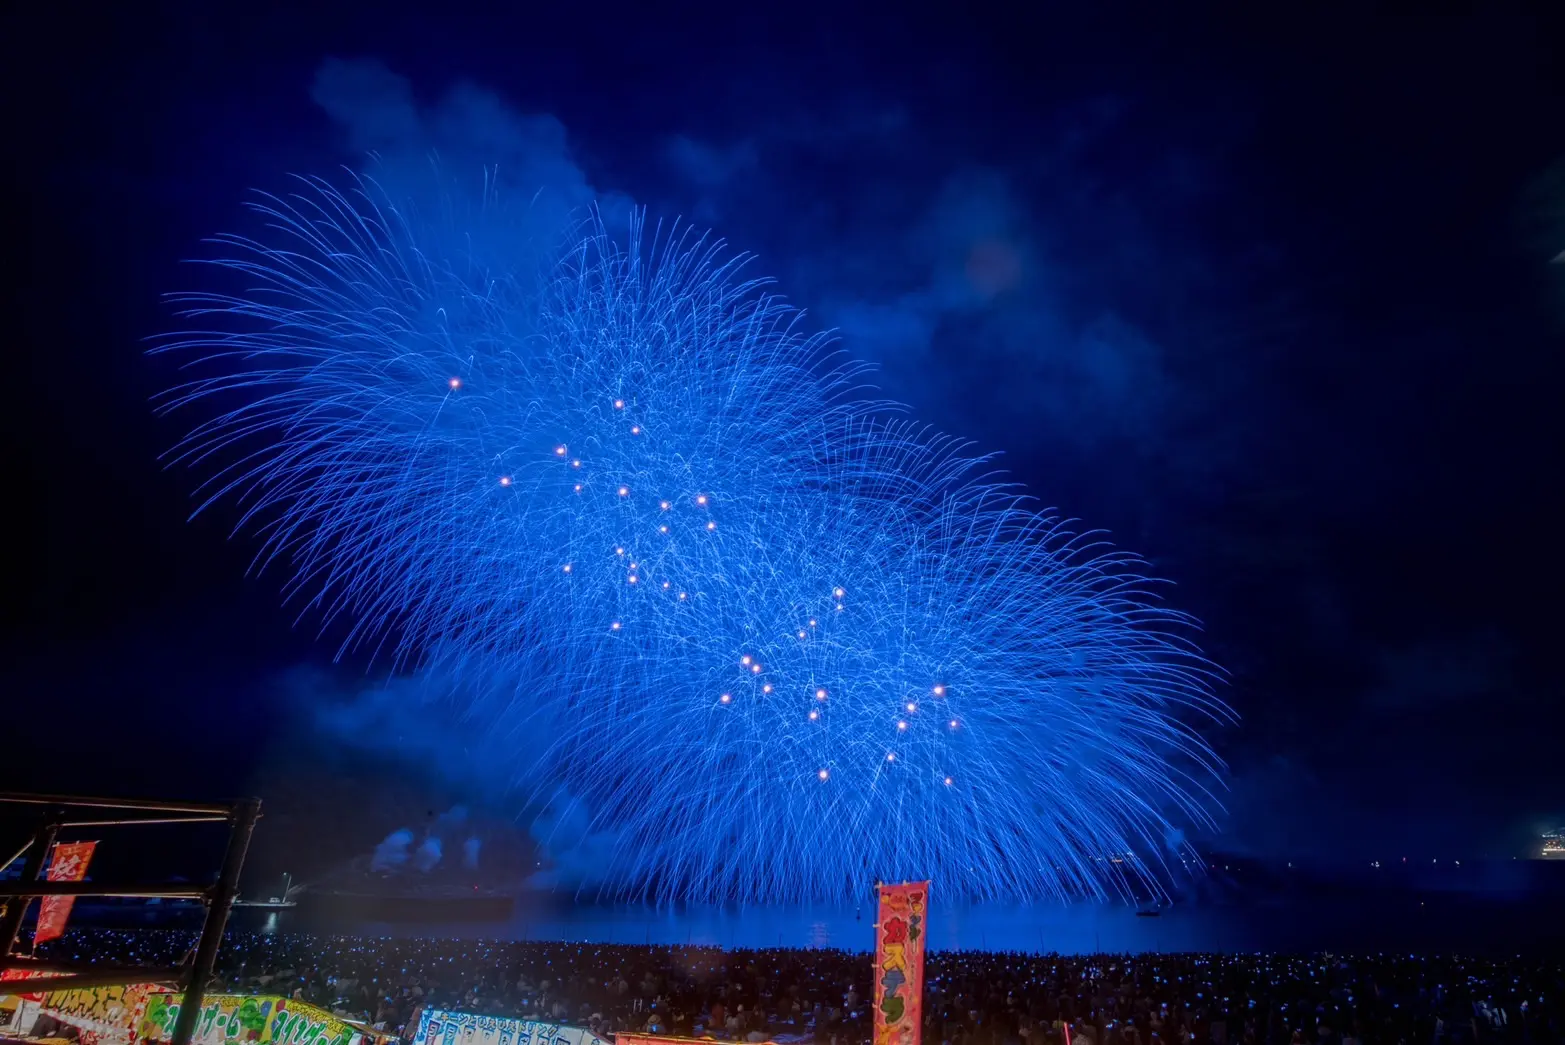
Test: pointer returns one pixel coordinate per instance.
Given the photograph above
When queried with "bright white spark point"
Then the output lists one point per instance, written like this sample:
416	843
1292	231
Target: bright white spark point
619	551
820	694
664	505
890	757
619	404
940	691
455	382
701	499
711	526
948	781
901	725
634	566
624	491
912	706
812	622
505	480
614	626
814	715
632	578
838	592
681	595
566	567
725	698
662	529
953	723
576	463
801	634
745	660
839	607
823	774
756	668
666	585
559	451
766	688
635	429
578	487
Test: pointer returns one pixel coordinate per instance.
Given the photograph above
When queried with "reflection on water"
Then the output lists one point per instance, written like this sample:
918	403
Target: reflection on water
1081	927
1403	922
1502	907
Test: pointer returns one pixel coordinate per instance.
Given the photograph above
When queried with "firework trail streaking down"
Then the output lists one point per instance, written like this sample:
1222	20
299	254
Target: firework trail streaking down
786	644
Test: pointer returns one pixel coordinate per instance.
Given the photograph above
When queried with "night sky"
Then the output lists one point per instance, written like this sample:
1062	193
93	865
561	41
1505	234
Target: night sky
1270	301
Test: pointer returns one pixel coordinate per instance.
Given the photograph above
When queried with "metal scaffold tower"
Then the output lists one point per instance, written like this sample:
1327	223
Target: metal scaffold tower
61	812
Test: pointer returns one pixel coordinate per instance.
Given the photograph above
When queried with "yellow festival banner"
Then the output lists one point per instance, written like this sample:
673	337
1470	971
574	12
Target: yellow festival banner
266	1020
101	1015
900	929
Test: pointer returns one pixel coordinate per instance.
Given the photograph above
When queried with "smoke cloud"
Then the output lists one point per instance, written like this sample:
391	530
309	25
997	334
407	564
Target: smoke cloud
577	854
428	856
468	137
392	853
410	718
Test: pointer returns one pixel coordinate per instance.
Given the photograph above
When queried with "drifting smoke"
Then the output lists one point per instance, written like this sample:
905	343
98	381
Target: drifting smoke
428	856
392	853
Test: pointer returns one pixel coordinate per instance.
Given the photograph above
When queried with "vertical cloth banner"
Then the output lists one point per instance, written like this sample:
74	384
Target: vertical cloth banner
900	929
69	865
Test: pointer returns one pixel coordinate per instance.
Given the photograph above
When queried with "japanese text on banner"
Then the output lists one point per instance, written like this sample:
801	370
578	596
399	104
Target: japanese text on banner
900	930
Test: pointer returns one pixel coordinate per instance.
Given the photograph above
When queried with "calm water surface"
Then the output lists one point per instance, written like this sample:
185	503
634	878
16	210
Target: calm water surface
1444	923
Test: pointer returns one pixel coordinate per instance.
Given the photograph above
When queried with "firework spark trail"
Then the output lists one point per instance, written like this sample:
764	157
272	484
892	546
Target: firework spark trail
784	643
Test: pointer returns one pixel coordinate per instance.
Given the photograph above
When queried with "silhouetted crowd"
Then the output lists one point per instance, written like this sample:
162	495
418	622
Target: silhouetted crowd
822	996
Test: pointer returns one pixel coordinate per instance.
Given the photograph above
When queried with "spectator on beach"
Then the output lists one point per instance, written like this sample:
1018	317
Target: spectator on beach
817	996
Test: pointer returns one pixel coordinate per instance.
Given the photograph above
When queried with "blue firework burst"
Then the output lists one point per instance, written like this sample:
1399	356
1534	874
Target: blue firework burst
785	644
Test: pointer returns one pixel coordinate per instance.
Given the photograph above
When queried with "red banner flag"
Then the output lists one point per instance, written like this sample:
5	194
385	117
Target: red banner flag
69	865
900	929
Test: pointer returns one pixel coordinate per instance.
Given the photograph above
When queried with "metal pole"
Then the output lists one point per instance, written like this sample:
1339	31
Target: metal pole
209	808
18	854
11	923
48	888
244	817
151	820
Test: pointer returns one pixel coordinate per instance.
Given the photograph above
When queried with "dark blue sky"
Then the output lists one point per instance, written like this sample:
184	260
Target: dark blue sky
1270	300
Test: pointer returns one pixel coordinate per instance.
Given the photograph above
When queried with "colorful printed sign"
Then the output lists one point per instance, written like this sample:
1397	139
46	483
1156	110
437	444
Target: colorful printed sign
899	963
103	1015
625	1038
268	1020
69	865
443	1027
